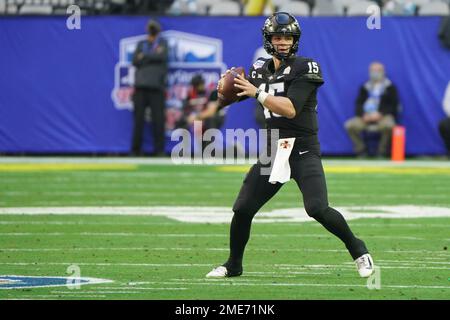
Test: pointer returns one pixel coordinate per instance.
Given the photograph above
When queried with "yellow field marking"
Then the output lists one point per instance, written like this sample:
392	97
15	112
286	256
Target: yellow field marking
358	169
33	167
389	170
233	168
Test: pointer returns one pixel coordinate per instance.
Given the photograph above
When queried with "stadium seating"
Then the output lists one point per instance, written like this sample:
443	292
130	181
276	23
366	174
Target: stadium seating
278	3
181	7
359	8
419	2
36	9
225	8
328	8
344	3
434	9
296	8
203	6
56	6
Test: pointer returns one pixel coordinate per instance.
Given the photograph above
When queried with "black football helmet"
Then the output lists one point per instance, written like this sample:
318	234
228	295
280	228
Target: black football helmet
281	23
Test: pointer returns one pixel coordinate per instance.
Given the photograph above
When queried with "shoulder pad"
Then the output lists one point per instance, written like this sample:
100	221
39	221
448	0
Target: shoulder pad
307	69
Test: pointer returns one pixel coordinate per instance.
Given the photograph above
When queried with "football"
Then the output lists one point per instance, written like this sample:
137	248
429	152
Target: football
226	91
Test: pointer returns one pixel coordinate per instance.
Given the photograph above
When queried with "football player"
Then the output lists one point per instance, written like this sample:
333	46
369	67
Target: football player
286	86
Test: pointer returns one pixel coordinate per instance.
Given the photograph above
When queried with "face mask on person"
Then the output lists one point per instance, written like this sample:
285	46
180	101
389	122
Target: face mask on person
153	31
376	75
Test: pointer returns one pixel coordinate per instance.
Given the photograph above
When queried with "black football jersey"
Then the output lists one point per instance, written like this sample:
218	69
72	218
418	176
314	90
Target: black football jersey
297	78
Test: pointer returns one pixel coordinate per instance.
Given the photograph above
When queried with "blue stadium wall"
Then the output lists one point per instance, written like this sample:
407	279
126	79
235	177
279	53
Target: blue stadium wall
56	84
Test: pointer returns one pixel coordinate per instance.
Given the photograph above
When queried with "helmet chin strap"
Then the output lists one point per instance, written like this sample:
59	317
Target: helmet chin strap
282	56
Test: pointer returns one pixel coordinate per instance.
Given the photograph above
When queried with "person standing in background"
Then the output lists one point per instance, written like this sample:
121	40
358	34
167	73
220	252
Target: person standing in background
444	125
150	59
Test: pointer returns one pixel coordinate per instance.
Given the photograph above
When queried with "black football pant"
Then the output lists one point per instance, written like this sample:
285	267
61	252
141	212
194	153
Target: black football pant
307	171
153	98
444	130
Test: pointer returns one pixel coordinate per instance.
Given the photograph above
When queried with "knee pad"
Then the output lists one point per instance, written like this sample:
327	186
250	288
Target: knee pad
316	209
243	210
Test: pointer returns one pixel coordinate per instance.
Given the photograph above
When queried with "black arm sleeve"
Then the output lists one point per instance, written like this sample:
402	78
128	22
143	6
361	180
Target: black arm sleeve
136	61
362	97
299	92
150	57
161	56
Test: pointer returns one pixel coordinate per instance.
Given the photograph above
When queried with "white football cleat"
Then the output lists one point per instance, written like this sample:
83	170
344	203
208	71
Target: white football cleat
219	272
222	272
364	264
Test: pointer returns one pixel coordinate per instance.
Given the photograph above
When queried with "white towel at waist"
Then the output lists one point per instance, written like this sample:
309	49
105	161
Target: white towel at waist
281	170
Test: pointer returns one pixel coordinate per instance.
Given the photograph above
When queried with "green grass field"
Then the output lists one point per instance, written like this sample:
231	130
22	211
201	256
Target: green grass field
161	236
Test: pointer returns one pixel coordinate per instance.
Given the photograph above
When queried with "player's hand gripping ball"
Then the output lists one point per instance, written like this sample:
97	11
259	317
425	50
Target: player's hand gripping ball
226	90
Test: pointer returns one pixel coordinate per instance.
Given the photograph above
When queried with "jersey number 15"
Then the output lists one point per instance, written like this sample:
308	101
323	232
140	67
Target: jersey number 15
274	88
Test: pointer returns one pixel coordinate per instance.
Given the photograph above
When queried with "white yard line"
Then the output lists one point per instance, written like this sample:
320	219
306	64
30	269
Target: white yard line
349	265
396	225
183	265
434	252
134	194
46	296
86	223
409	262
226	282
189	235
163	235
175	265
247	273
206	214
148	194
141	223
120	291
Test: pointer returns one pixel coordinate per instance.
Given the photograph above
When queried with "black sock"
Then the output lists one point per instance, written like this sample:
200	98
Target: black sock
239	235
334	222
